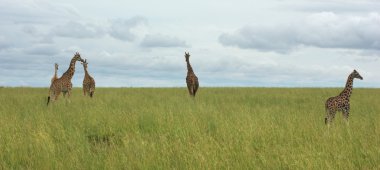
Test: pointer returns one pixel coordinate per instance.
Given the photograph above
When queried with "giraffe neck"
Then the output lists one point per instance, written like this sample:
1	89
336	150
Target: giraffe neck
189	68
85	71
348	89
55	73
70	71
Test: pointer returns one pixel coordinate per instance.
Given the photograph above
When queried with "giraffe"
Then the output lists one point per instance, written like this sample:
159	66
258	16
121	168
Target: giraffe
191	78
55	73
342	101
63	84
88	81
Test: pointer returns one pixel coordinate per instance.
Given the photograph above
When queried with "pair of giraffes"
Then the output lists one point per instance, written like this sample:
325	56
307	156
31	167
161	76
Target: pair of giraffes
332	105
64	85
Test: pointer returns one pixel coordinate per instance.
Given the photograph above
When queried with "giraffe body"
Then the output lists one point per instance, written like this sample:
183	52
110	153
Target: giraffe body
63	84
342	101
191	78
88	81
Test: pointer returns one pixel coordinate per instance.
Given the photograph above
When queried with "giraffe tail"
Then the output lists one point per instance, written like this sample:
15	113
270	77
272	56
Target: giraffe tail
48	100
327	114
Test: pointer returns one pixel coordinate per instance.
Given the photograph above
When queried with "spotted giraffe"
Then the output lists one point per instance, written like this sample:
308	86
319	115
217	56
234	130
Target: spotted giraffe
55	73
191	78
88	81
342	101
63	84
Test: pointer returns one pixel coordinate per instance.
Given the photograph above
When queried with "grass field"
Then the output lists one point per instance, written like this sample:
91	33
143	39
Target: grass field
163	128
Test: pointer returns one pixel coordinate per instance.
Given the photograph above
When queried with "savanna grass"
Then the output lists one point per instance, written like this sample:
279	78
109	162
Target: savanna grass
164	128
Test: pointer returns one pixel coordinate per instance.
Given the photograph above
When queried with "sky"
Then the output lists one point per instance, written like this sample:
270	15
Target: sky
273	43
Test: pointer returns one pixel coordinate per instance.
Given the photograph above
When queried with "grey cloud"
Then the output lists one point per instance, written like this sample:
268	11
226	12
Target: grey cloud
4	44
263	39
158	40
324	30
122	29
75	29
42	50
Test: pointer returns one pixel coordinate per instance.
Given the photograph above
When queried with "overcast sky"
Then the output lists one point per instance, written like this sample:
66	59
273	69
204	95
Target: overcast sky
273	43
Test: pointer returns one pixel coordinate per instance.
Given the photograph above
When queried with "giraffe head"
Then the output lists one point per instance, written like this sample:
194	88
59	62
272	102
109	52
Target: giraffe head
84	63
56	66
187	56
356	74
77	57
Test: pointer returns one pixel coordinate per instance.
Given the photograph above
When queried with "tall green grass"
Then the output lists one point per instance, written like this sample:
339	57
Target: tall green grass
164	128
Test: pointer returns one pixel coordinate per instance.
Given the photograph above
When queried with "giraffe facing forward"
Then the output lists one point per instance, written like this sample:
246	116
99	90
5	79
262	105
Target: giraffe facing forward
191	78
88	81
63	84
342	101
55	73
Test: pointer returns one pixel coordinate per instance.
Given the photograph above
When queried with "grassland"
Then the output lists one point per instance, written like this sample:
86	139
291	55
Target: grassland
163	128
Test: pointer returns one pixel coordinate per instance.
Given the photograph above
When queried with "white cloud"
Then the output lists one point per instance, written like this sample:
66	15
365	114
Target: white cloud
159	40
34	11
324	30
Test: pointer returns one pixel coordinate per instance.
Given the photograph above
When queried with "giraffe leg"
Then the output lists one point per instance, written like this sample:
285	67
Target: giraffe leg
56	94
196	87
91	92
330	116
192	90
346	113
68	95
189	88
84	90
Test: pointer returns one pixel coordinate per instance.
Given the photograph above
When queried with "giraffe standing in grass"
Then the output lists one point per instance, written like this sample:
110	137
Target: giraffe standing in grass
55	73
63	84
88	81
191	78
342	101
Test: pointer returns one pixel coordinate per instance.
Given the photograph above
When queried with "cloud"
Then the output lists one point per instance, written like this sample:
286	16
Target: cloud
73	29
4	44
42	50
262	39
34	11
159	40
323	30
122	29
335	6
